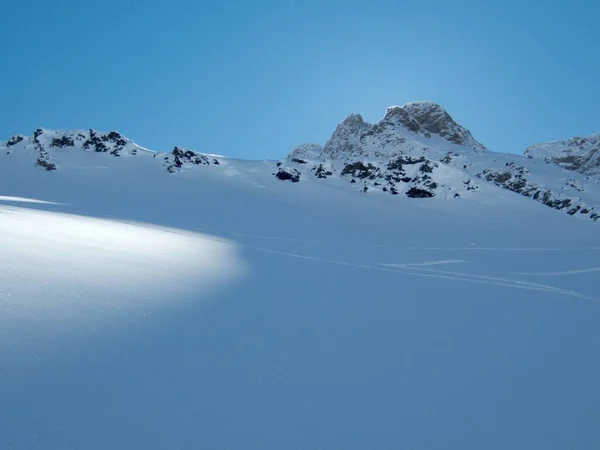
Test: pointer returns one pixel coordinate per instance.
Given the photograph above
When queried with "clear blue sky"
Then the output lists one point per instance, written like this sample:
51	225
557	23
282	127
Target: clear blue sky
255	78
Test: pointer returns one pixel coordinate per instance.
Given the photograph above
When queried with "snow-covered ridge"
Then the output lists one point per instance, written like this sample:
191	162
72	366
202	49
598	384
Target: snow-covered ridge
416	150
45	143
580	154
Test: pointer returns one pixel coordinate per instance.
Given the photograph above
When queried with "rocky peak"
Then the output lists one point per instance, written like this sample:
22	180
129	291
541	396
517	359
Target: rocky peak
355	137
346	137
436	120
353	120
580	154
397	115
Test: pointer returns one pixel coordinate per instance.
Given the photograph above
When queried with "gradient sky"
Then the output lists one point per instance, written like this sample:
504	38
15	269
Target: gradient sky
255	79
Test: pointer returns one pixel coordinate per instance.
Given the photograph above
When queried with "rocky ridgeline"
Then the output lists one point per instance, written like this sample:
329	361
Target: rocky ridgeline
417	150
43	142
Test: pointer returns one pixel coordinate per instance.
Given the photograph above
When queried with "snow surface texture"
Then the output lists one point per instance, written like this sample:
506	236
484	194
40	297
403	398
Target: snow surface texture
188	301
581	154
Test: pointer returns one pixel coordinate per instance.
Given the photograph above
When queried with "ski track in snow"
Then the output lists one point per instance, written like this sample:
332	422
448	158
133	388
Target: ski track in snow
419	270
427	263
558	274
305	241
413	269
439	274
458	276
507	249
518	283
474	247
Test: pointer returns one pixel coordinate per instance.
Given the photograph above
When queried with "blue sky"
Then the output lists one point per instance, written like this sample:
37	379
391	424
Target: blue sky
254	79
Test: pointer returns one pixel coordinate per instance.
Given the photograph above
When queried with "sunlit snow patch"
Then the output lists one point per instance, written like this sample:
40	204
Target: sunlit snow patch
59	268
7	198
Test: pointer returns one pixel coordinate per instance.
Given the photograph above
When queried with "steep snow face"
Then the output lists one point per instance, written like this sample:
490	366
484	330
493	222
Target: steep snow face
580	154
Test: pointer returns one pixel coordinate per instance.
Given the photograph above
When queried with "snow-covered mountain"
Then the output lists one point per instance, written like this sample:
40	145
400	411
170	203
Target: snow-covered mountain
420	151
417	150
183	300
580	154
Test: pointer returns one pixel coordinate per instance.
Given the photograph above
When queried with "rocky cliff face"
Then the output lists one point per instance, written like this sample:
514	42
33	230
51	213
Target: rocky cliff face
580	154
436	120
345	140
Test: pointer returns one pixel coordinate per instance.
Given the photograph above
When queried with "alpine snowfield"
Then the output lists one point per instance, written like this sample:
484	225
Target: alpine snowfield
221	308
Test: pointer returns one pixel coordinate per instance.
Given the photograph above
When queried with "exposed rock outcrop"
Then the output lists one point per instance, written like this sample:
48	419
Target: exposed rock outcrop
580	154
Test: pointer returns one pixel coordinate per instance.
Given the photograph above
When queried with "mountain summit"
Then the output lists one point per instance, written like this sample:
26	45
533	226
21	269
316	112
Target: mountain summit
435	119
426	119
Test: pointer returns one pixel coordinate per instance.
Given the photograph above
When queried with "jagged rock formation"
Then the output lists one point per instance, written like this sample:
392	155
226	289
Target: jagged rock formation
180	158
436	120
346	137
354	137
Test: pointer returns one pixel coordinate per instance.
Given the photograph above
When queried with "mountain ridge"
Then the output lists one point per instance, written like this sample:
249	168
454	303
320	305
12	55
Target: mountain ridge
417	150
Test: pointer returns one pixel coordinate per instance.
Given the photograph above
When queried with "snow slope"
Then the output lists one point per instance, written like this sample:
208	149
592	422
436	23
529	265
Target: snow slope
581	154
193	301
